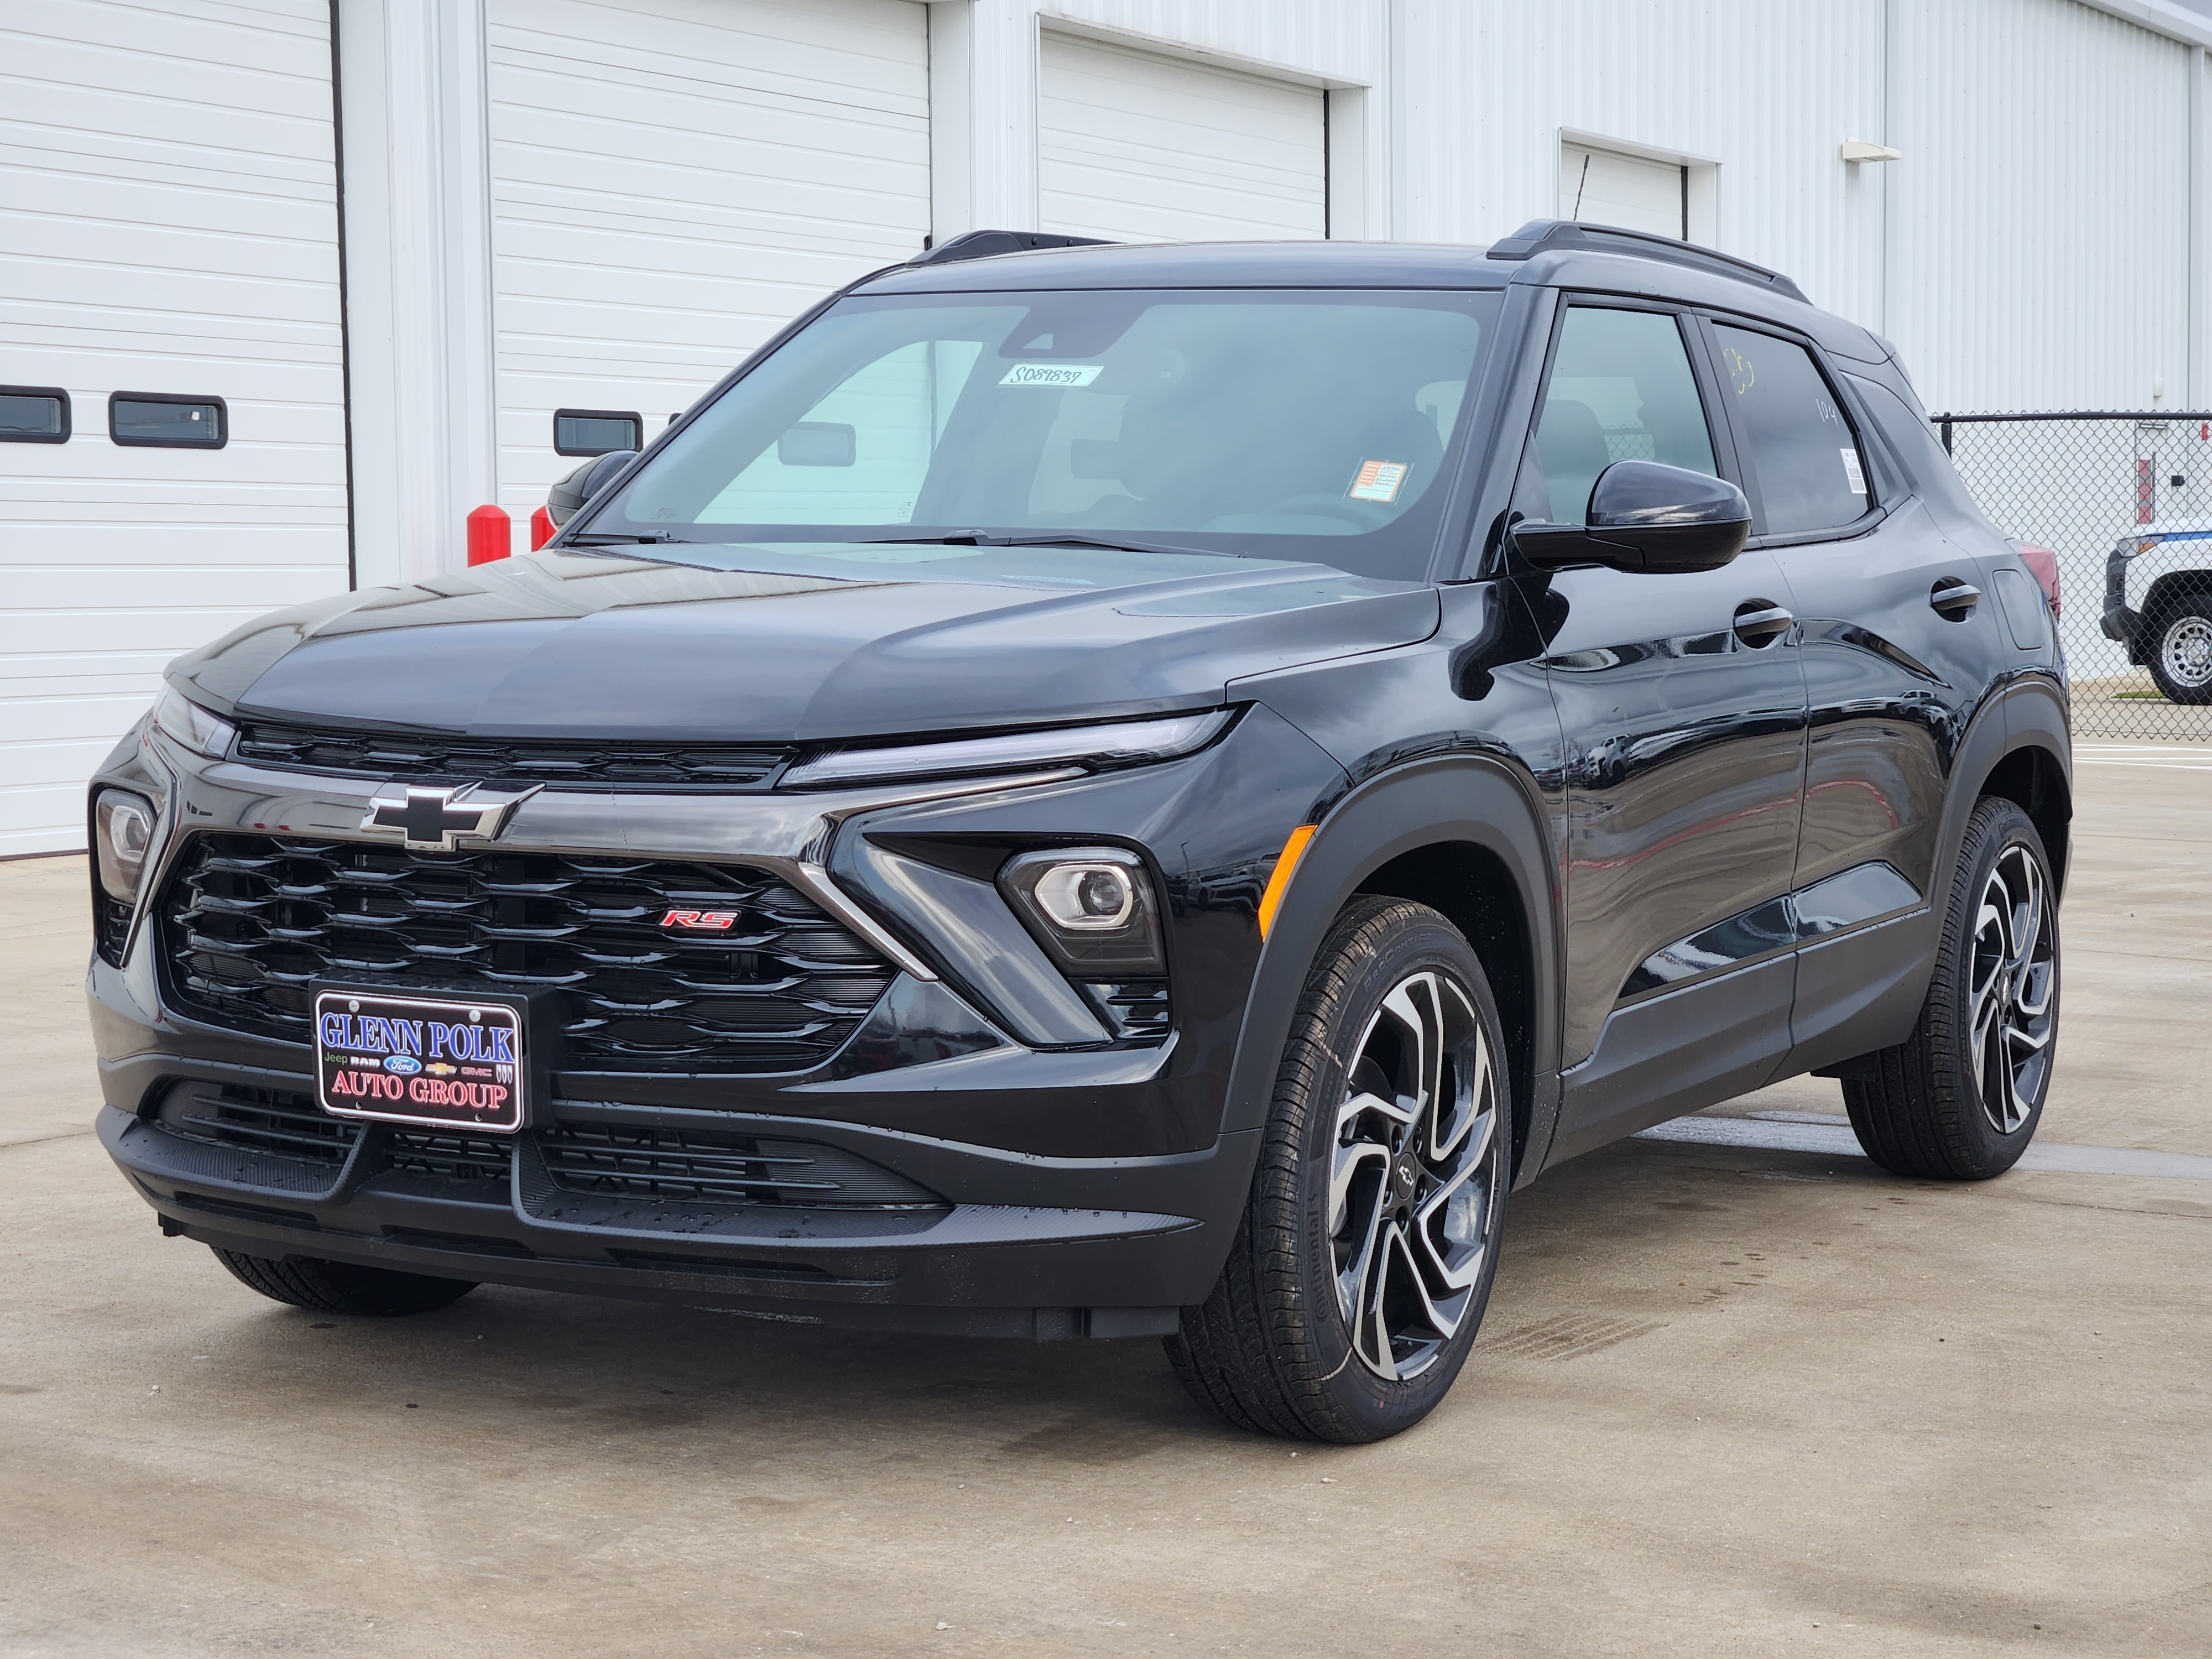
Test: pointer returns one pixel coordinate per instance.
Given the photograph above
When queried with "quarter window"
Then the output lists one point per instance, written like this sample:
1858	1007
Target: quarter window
1798	448
1621	390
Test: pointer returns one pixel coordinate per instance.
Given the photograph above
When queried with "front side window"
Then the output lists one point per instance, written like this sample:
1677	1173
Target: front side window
1287	424
1800	451
1621	390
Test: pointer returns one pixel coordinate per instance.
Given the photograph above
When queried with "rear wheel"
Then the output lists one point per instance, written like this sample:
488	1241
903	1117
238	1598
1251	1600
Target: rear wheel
1364	1258
1959	1099
2181	649
342	1287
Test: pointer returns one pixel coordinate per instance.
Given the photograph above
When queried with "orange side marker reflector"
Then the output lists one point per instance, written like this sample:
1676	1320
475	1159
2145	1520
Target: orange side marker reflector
1278	883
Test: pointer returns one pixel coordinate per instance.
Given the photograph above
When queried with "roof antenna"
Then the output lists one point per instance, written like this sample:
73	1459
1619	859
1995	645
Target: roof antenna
1579	183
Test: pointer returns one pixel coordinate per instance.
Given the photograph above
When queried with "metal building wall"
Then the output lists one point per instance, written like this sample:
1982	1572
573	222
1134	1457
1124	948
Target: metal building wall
2039	236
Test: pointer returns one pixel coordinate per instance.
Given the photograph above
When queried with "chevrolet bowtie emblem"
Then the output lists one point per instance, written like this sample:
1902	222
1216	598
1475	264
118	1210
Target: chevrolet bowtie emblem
433	820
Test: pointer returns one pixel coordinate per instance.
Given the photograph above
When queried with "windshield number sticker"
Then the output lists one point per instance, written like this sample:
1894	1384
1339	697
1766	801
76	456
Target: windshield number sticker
1852	474
1378	481
1053	373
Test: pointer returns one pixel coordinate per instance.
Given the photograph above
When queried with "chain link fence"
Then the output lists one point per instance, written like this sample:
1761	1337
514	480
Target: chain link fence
2125	501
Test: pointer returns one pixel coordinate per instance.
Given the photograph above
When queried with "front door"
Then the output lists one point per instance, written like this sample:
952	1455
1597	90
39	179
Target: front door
1683	705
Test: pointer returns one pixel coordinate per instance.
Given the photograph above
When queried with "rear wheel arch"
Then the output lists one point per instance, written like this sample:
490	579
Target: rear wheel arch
1464	835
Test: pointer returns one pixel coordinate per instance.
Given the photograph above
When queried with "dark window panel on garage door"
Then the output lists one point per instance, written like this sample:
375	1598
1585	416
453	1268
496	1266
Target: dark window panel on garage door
162	420
33	415
596	431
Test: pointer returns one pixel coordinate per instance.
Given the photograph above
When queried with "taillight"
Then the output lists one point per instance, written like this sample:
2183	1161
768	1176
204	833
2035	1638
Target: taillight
2044	564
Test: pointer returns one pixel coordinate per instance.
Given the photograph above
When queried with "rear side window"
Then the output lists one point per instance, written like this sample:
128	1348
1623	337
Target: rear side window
1621	390
1798	447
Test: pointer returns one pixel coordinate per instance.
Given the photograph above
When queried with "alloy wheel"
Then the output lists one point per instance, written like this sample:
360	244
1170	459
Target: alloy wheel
2013	992
2185	652
1414	1179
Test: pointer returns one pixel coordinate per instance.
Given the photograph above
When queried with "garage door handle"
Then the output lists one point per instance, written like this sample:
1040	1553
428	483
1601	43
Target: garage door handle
1954	598
1762	622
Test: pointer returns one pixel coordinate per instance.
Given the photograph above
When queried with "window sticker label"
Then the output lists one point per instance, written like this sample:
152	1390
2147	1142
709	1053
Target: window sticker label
1052	374
1378	481
1852	474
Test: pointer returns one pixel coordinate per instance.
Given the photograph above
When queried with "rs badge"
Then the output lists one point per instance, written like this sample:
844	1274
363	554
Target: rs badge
701	921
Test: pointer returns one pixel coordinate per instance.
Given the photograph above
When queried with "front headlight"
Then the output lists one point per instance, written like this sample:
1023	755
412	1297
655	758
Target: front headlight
125	826
1117	742
184	721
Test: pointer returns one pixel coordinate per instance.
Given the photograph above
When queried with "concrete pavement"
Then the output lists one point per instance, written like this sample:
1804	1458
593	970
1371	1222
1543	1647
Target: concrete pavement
1731	1399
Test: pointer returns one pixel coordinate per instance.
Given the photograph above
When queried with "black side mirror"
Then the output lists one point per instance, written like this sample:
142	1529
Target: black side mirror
1646	517
586	481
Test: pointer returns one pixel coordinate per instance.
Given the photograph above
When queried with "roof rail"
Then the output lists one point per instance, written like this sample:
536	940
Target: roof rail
1548	235
982	243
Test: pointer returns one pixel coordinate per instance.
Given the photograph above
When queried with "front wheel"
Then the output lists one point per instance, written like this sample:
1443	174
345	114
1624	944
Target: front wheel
2181	650
1364	1257
1959	1100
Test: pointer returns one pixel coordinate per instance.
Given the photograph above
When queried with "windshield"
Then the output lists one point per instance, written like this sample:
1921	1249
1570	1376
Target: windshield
1286	424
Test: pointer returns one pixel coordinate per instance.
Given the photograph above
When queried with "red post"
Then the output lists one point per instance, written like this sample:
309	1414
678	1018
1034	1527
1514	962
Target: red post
541	529
491	534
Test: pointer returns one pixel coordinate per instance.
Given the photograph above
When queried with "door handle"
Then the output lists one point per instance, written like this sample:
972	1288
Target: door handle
1762	622
1954	598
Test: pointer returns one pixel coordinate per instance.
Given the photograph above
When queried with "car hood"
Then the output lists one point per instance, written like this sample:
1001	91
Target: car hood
797	641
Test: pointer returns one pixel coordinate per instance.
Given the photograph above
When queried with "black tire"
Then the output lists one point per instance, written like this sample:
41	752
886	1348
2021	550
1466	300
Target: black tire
342	1287
2177	648
1413	1228
1937	1106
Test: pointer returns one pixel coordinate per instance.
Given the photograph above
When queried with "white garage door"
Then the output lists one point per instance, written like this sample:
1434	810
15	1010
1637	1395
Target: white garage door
1138	148
1605	187
167	225
672	180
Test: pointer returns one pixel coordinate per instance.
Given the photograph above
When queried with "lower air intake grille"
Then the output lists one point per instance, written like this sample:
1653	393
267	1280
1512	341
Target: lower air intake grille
447	1156
252	924
707	1166
257	1120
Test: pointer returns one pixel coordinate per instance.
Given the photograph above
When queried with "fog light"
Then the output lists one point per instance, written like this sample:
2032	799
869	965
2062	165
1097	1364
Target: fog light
1091	908
125	827
1086	897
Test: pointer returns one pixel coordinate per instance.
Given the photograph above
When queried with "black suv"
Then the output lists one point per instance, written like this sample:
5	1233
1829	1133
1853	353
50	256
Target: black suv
1113	791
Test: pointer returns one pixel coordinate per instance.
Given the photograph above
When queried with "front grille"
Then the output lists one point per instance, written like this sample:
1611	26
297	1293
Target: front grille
419	758
258	1120
708	1166
251	925
444	1155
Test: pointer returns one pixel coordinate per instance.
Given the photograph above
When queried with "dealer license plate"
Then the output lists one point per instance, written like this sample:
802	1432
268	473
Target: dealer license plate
442	1062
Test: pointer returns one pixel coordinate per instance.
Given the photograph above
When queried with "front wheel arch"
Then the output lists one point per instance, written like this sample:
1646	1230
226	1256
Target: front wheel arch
1461	827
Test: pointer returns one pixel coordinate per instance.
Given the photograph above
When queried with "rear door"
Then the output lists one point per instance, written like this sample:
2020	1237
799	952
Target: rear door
1896	645
1684	723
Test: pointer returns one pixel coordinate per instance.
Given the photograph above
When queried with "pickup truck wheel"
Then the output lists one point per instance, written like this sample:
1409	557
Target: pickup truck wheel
1364	1257
1959	1099
341	1287
2181	649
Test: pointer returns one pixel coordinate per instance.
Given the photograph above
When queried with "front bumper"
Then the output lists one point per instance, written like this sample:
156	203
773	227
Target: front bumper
1082	1189
2119	623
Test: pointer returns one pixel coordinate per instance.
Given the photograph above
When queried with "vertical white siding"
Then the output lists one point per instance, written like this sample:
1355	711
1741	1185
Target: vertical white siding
167	223
2039	236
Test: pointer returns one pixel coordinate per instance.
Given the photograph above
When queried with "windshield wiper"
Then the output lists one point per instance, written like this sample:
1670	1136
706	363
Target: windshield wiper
615	538
1041	538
